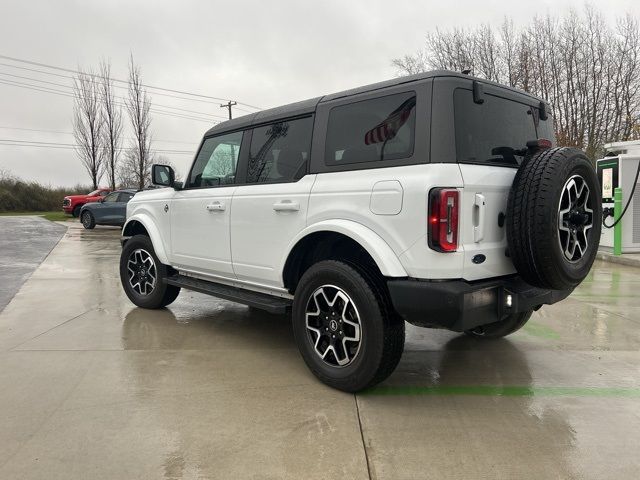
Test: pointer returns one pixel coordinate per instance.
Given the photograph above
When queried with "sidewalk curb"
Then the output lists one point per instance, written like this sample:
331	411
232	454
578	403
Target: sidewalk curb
619	259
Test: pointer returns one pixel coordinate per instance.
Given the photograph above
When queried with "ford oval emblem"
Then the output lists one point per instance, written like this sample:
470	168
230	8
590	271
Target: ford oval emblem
477	259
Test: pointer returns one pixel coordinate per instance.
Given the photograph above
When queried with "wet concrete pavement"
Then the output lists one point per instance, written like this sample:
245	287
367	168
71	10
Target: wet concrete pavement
24	243
91	387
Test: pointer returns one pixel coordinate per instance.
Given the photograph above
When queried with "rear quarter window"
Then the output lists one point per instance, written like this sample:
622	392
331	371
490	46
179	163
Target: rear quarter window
372	130
495	131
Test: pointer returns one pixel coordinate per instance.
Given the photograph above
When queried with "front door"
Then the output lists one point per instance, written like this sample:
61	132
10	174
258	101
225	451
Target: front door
108	208
200	212
270	208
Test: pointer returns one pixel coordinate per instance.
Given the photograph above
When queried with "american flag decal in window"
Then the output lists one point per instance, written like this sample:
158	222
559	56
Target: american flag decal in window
388	128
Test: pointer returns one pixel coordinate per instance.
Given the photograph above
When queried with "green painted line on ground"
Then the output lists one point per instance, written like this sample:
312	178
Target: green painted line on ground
505	391
541	331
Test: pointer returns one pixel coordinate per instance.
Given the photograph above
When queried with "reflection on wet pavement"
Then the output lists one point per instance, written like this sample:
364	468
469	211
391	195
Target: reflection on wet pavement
211	389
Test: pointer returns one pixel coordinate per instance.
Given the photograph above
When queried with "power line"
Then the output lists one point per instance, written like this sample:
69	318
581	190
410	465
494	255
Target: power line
71	133
116	86
115	96
181	92
64	94
36	130
74	146
57	147
67	94
121	103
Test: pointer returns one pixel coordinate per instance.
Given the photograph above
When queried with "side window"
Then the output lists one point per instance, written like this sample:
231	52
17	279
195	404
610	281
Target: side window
371	130
112	197
125	197
216	161
280	151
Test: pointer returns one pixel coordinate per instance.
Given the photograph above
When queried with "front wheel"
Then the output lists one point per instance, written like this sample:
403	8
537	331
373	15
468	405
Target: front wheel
143	276
500	329
76	211
87	220
344	326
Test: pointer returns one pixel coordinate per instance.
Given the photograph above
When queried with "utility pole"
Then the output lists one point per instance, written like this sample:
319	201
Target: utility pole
228	105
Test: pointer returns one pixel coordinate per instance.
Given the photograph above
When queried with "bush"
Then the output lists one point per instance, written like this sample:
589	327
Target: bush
17	195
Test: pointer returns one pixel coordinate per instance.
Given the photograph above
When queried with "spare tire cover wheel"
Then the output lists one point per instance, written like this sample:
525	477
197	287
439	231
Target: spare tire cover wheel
554	218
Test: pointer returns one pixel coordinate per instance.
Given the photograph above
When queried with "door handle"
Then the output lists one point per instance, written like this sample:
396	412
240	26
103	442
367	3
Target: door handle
216	207
478	224
286	206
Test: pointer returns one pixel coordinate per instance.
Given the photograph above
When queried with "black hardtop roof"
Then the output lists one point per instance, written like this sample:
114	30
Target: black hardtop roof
309	106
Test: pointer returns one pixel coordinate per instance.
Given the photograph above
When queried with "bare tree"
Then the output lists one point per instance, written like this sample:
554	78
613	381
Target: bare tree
87	124
138	103
589	71
412	64
128	173
112	124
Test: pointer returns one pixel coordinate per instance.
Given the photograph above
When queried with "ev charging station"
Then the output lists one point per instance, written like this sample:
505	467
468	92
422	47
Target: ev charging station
617	170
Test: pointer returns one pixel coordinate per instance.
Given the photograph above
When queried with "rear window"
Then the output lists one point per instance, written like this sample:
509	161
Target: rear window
382	128
495	131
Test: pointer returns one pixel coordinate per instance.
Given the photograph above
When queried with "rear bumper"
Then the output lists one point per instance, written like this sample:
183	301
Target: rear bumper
459	305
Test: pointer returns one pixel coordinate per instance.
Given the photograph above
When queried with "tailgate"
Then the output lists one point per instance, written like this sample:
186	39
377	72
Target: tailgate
484	198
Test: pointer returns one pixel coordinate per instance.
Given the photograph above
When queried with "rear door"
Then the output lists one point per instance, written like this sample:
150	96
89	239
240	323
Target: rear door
491	130
270	208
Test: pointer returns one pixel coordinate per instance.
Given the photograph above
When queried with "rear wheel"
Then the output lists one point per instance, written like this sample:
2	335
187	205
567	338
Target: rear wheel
509	325
344	326
87	220
143	277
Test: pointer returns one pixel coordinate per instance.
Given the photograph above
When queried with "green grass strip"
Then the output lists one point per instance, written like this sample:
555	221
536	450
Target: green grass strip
506	391
56	215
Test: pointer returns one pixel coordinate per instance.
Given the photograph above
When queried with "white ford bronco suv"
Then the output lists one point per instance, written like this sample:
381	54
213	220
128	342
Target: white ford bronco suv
437	198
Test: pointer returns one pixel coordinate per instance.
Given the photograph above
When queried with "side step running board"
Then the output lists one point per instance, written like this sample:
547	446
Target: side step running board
247	297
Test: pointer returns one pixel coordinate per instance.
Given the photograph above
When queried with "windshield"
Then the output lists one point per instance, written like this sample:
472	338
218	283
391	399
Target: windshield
94	193
497	130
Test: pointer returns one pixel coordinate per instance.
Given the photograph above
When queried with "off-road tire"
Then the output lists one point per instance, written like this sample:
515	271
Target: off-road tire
87	220
532	218
509	325
162	294
76	211
382	330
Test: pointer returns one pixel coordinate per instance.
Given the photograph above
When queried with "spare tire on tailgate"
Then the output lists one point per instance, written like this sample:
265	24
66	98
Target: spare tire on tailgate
554	218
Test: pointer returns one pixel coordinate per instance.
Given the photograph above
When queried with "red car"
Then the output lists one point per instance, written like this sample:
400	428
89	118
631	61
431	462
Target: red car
73	203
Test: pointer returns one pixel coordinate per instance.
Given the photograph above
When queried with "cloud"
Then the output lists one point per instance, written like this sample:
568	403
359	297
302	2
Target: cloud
261	53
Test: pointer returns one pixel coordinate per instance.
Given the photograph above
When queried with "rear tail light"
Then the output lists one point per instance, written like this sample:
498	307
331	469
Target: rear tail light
443	219
539	144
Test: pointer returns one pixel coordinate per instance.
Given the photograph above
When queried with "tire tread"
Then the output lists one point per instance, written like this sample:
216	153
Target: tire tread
532	205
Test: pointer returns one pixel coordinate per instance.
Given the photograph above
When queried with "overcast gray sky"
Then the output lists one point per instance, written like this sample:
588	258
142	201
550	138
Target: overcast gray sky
257	52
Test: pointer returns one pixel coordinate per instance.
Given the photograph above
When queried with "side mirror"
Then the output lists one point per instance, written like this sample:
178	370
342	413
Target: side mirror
162	175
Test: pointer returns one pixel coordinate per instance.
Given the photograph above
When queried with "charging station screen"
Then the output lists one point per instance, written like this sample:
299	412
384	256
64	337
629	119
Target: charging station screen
607	182
607	169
